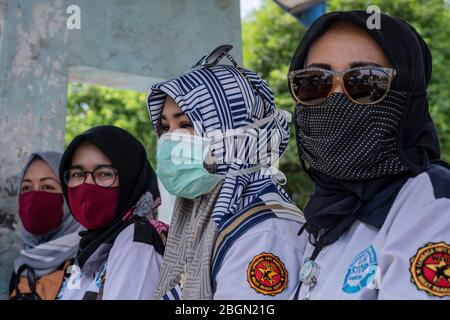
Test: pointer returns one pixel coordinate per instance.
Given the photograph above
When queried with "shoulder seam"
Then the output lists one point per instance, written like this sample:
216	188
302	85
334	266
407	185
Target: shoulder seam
441	187
244	235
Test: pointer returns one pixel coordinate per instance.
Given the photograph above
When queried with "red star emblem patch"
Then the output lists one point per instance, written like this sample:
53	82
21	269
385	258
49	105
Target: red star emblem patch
430	269
267	274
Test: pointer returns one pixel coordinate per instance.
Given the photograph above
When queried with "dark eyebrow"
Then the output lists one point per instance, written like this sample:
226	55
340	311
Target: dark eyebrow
77	166
176	115
49	178
26	180
354	64
357	64
319	65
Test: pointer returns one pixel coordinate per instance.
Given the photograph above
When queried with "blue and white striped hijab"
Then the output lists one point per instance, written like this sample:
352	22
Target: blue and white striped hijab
220	99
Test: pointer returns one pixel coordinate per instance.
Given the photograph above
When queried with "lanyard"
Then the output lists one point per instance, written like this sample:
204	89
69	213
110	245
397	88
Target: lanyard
310	269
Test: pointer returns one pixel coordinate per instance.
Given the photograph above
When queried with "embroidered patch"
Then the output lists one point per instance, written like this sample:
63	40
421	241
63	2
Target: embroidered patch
430	269
361	272
267	274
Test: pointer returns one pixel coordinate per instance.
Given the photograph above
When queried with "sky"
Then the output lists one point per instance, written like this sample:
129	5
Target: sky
248	5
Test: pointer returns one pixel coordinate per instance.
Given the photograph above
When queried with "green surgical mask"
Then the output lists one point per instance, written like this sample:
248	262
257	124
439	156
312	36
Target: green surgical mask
180	163
180	159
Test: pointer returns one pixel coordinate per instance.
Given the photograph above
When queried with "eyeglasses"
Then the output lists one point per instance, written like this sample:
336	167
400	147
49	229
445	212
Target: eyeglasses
363	85
213	58
103	176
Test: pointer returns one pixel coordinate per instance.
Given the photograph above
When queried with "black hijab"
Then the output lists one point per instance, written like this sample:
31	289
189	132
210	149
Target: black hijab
335	205
136	177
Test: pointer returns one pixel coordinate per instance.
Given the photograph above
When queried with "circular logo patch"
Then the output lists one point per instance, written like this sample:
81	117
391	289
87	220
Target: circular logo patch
267	274
430	269
362	272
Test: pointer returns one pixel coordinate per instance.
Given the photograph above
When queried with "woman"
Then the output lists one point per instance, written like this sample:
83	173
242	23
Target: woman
378	219
112	191
48	231
234	229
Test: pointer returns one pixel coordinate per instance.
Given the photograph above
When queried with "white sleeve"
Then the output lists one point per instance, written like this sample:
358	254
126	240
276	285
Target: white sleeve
415	259
272	247
132	269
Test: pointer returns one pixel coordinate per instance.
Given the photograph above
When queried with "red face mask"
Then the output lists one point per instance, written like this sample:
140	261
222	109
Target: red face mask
93	206
41	212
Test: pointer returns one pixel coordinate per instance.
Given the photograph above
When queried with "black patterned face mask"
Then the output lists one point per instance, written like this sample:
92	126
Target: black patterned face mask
349	141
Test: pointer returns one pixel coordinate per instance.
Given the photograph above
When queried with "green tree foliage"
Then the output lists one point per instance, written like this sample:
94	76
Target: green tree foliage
90	106
270	37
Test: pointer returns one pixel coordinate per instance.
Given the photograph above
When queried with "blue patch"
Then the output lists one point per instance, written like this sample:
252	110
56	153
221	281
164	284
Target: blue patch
61	290
361	271
100	279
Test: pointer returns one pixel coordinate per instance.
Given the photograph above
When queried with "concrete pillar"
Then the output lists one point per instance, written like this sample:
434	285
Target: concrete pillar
122	44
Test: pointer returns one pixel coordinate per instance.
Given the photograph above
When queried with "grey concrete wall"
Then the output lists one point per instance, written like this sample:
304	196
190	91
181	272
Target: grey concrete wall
123	44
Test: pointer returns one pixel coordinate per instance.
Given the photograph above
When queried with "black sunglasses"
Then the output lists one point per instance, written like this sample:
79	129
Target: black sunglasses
363	85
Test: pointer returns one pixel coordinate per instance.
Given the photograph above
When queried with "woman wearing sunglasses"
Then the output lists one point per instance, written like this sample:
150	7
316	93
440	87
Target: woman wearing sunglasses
234	229
48	232
378	220
112	191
